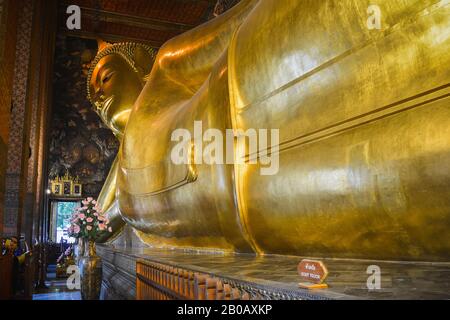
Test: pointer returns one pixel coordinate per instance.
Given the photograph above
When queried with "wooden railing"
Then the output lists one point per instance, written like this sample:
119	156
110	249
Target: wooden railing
155	281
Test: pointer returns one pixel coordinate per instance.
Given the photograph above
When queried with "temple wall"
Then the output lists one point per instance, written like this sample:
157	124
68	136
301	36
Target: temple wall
2	179
8	26
79	142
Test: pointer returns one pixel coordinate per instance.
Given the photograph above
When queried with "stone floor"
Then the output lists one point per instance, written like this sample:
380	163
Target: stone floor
57	289
347	278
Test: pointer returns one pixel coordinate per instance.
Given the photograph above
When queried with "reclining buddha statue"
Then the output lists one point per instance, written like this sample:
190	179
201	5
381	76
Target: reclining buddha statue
363	115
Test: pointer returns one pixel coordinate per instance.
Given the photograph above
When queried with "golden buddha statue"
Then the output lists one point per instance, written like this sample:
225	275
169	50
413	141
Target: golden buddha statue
117	68
363	121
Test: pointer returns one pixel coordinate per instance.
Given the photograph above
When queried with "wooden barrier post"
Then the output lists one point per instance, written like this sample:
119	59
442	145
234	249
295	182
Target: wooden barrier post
199	286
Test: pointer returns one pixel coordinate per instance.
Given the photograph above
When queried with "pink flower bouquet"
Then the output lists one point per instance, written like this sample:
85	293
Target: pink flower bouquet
88	221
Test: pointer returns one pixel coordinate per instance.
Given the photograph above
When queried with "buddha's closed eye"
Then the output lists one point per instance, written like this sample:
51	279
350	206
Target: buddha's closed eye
107	77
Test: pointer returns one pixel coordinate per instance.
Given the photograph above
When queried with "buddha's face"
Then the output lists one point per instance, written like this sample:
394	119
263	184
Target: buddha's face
115	86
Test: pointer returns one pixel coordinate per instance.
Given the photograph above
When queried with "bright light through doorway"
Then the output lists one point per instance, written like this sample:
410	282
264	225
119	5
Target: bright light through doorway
64	214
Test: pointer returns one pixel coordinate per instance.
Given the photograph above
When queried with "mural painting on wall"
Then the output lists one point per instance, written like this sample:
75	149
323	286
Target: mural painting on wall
79	143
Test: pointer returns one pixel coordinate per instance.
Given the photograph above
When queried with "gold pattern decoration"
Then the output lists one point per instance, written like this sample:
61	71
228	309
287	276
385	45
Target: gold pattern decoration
66	186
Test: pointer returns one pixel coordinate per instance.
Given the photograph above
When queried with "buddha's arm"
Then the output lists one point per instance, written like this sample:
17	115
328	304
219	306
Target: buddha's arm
187	60
108	203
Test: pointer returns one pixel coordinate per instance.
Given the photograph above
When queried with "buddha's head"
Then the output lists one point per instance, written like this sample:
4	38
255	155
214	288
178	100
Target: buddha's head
115	80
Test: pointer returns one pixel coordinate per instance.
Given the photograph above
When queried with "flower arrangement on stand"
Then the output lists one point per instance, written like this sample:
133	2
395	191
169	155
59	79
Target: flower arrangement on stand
87	223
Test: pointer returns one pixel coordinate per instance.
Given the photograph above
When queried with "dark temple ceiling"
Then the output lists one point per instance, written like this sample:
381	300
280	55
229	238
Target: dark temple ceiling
150	21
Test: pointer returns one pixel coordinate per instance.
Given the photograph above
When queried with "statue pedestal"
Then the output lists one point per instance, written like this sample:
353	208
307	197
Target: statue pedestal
131	273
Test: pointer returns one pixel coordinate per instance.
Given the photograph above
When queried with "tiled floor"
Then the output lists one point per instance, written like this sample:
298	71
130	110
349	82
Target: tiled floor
57	289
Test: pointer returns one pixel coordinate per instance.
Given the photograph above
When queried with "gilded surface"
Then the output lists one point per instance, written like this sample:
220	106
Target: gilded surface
364	133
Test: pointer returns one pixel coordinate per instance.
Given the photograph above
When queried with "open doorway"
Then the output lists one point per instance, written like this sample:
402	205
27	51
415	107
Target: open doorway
61	212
